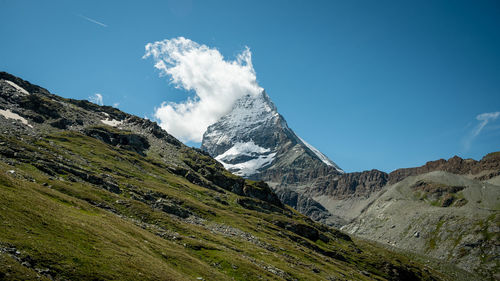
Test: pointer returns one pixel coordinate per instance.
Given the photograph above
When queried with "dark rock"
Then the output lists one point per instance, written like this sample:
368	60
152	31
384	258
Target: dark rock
300	229
61	123
447	200
261	190
112	187
223	202
258	205
173	209
302	203
125	140
41	105
214	172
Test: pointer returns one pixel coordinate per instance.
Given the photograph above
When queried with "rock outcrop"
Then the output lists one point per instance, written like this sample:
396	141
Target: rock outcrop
486	168
124	139
357	184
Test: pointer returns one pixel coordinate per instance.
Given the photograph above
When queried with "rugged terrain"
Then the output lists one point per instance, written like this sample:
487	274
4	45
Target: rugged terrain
90	192
445	209
449	216
348	194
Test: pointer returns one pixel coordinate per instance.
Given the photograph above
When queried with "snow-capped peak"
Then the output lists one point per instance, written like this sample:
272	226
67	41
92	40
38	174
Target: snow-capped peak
249	115
254	137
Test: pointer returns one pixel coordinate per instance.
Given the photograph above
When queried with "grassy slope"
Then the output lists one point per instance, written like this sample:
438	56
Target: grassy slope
78	230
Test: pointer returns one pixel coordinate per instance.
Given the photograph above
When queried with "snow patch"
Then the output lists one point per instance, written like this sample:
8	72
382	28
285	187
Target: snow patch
261	155
18	88
11	115
321	156
250	167
242	148
112	122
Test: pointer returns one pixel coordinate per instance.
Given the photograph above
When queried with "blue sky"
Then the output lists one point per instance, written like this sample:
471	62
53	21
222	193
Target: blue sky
372	84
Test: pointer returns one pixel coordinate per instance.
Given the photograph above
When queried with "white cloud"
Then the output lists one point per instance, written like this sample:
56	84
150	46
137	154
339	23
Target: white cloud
217	83
116	104
484	119
96	98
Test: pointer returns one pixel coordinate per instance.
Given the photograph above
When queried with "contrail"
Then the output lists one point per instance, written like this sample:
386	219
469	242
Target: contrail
92	20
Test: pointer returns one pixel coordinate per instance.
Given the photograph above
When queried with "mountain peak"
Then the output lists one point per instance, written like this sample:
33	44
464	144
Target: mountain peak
254	138
248	114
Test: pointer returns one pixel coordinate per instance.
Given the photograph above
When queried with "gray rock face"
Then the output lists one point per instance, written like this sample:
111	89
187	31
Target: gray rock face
348	185
252	119
254	141
487	168
302	203
308	206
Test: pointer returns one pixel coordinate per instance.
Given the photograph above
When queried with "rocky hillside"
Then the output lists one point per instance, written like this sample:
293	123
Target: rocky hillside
445	209
88	192
346	195
451	217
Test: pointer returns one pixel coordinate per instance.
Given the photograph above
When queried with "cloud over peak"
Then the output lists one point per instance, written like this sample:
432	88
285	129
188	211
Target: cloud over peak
217	83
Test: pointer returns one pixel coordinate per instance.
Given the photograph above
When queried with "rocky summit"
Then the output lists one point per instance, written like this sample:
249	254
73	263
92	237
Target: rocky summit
254	141
88	192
